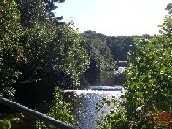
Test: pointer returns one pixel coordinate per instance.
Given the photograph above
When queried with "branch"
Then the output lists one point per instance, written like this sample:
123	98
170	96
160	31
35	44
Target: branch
33	113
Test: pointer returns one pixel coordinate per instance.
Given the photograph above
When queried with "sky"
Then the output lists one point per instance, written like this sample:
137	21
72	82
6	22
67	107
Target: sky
115	17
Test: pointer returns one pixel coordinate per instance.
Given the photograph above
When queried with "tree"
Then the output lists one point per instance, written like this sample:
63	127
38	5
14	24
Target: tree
45	49
100	55
149	79
36	47
119	46
10	30
37	10
147	102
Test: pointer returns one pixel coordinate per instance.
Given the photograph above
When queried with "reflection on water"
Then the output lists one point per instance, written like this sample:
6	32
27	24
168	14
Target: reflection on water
114	77
85	105
120	70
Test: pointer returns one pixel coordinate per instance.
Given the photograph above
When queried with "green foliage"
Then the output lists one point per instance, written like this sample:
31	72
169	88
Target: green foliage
100	55
10	30
60	111
147	103
149	78
169	8
119	46
97	49
35	46
48	49
5	124
38	48
116	118
105	52
73	58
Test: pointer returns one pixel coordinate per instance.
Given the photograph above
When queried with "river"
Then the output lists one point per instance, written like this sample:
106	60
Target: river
85	100
85	103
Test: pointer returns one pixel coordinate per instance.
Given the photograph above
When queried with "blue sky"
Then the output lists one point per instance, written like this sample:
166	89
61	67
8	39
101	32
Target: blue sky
115	17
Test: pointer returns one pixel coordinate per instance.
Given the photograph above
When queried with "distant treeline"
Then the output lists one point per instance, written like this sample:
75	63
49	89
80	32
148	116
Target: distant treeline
112	47
109	47
105	51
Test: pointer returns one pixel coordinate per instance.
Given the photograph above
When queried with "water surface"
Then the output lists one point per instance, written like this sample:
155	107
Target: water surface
85	101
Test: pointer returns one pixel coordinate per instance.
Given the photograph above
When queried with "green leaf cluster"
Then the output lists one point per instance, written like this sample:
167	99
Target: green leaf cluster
36	47
96	47
149	79
10	30
60	111
147	103
5	124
